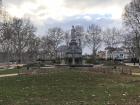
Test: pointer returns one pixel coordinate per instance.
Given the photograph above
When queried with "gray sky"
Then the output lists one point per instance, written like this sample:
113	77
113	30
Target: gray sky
64	13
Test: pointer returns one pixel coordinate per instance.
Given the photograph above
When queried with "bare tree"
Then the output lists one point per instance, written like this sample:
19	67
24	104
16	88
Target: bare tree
5	35
80	35
47	48
112	37
129	43
6	39
93	39
22	31
131	18
67	38
33	48
56	35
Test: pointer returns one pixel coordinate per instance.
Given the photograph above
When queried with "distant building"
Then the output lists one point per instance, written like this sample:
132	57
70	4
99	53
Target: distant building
101	55
109	52
117	54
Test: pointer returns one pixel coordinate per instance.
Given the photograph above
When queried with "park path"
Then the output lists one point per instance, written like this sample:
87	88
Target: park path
131	64
136	74
8	75
12	75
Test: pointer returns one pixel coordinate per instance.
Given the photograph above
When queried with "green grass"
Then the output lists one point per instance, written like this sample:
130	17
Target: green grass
9	71
70	87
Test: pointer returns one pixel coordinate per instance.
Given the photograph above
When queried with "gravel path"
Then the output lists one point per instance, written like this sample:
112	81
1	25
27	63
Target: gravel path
8	75
136	74
131	64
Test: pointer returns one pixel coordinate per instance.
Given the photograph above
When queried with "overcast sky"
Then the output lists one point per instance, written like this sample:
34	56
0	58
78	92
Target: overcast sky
64	13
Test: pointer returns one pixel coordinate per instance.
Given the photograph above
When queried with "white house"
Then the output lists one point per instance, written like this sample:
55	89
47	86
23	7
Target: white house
117	53
120	55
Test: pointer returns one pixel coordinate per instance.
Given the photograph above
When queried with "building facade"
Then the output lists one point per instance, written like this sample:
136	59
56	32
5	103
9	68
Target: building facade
117	54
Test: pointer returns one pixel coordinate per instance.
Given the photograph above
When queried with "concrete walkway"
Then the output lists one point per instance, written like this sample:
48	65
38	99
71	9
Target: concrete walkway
8	75
12	75
136	74
131	64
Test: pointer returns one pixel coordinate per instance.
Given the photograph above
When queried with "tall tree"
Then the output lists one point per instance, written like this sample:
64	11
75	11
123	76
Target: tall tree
22	32
112	37
80	35
47	47
129	43
33	48
93	39
131	18
56	35
6	39
67	37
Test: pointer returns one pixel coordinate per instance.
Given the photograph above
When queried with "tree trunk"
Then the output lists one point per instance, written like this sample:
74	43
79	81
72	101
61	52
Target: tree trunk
8	58
20	53
138	54
93	56
8	55
138	48
139	62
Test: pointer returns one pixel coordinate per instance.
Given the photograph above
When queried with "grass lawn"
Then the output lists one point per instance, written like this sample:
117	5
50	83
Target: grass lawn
9	71
70	87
